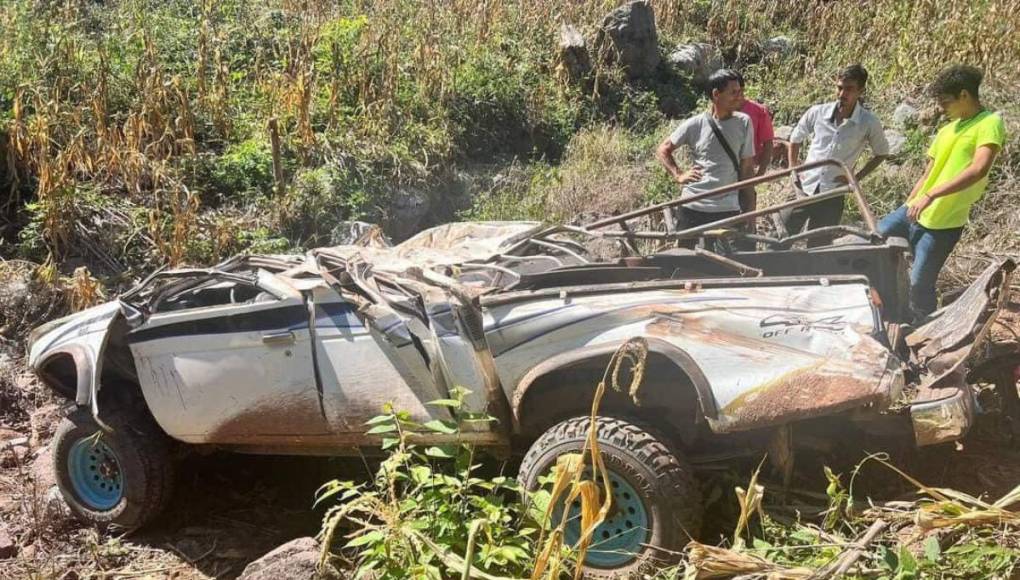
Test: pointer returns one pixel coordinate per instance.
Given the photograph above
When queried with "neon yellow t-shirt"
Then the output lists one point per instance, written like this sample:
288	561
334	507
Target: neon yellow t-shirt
952	151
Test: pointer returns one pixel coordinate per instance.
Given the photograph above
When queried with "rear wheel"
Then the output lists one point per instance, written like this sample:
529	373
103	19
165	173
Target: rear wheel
122	477
656	501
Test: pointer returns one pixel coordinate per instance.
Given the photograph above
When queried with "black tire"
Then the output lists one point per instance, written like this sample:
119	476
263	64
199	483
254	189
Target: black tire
669	492
143	462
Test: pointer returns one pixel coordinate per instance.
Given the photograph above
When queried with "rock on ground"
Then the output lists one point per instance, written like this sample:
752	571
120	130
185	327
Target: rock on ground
295	560
778	46
896	141
699	60
408	212
574	60
361	233
784	132
906	116
634	41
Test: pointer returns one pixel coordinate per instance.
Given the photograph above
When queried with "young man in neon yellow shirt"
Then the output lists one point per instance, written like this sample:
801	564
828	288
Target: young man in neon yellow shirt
959	159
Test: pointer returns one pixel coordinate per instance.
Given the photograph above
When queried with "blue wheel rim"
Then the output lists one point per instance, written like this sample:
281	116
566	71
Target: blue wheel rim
618	540
95	473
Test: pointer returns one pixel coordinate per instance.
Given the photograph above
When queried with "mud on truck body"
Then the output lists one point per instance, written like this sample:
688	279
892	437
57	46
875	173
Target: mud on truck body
293	354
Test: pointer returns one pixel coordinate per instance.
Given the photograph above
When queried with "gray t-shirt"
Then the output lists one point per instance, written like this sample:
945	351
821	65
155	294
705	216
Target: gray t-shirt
716	167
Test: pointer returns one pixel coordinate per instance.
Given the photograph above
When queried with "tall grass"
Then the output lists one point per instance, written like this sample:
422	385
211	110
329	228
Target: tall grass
143	100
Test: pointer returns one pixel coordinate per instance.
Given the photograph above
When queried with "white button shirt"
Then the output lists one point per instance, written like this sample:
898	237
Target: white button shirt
844	142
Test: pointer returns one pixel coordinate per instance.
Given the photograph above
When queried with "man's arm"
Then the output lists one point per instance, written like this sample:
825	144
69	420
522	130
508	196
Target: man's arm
920	180
879	149
664	153
804	129
870	166
975	172
765	133
793	155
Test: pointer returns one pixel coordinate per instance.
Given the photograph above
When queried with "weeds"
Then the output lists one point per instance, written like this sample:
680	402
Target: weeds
428	510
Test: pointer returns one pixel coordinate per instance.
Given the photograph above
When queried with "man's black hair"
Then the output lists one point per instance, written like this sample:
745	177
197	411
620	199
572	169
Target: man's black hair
956	79
720	79
856	73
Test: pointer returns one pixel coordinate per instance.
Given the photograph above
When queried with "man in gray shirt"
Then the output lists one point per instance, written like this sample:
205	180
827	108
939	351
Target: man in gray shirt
838	130
713	166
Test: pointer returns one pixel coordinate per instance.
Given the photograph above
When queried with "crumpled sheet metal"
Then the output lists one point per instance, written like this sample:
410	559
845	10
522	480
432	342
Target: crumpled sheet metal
960	322
445	245
401	290
943	407
823	388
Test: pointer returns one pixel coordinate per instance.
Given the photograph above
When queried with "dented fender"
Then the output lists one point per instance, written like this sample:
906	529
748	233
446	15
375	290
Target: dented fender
82	336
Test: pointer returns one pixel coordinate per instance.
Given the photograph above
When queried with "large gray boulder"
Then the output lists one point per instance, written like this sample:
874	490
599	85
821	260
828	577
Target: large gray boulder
699	60
295	560
358	233
628	37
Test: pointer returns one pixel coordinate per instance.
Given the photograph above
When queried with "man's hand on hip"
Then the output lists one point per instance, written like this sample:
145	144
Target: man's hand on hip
691	176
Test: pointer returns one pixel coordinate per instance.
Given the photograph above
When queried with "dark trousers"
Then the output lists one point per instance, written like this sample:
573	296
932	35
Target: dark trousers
931	249
811	217
692	218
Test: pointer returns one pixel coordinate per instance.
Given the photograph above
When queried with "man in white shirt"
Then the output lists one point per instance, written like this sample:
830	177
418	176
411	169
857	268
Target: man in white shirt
721	144
838	130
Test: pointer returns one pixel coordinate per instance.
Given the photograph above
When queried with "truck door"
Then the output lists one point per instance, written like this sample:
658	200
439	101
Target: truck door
227	361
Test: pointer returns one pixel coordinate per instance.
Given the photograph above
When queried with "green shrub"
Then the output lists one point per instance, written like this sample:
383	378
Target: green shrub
317	201
243	172
427	508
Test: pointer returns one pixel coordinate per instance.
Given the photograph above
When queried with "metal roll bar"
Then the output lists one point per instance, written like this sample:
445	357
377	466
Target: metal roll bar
627	232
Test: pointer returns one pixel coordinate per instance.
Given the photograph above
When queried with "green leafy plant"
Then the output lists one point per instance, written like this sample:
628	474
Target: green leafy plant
428	511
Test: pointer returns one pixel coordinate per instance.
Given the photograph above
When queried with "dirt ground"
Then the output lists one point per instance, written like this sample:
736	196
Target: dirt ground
229	510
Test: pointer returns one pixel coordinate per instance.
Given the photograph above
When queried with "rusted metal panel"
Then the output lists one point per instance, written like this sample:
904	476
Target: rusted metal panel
770	354
942	406
870	377
965	321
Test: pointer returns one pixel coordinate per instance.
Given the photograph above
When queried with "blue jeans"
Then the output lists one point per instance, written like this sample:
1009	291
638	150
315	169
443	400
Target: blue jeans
931	248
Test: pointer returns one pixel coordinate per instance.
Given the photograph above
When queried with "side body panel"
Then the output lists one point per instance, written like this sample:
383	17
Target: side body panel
770	354
362	370
231	374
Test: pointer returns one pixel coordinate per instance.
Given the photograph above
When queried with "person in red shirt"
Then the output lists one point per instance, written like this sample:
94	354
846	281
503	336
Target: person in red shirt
764	133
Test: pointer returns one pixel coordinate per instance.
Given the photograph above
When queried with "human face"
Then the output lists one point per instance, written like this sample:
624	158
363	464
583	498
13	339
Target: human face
729	99
954	107
847	93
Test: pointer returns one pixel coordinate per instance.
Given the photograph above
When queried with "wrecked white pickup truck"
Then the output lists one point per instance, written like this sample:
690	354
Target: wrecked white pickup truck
293	354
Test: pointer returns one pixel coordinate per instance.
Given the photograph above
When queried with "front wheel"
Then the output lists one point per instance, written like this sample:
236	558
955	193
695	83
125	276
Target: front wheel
656	501
122	477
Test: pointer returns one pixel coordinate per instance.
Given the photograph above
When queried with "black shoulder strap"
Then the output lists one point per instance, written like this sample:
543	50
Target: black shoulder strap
722	141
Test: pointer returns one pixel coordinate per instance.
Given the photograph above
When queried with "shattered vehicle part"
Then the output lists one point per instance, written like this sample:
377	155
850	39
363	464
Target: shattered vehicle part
943	408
